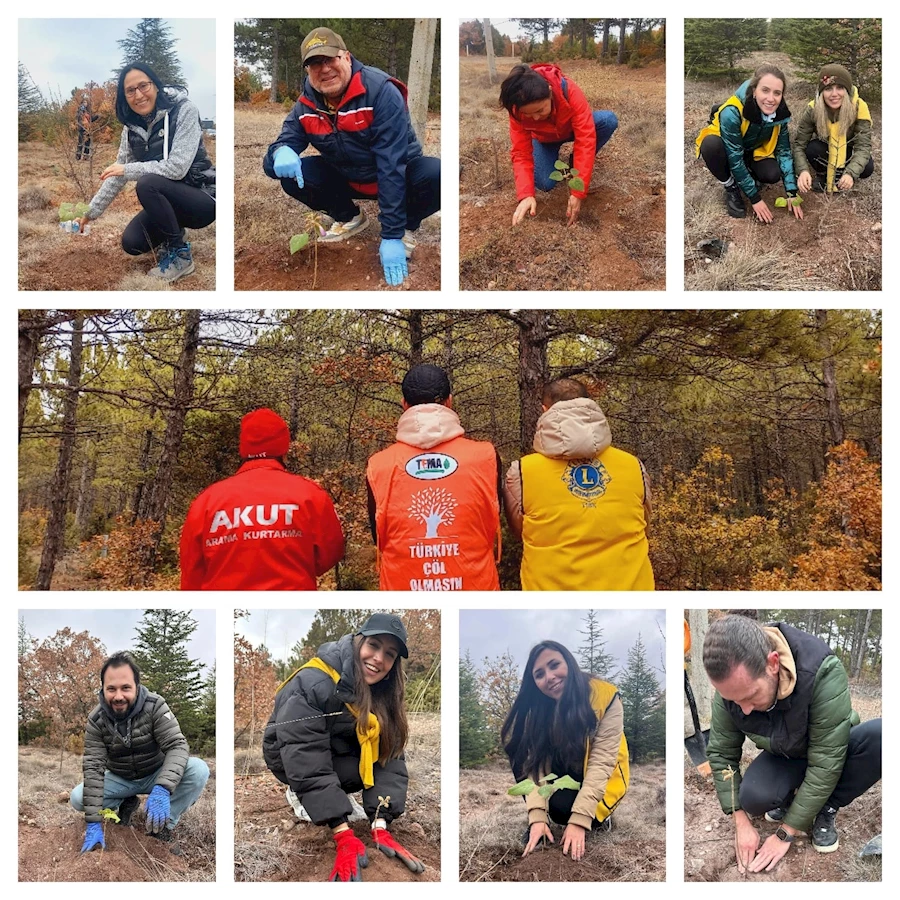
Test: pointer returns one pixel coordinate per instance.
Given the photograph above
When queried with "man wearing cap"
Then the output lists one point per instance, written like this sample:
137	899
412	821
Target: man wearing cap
580	505
434	506
356	117
263	529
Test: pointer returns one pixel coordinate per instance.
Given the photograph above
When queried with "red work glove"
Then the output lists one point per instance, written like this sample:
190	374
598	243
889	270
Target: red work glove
389	847
351	856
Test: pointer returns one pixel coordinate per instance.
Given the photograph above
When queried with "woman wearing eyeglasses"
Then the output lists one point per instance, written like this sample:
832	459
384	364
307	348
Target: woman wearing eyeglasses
162	151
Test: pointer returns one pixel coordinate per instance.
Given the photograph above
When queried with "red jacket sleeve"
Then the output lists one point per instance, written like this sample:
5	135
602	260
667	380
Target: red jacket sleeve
191	549
329	543
585	136
522	159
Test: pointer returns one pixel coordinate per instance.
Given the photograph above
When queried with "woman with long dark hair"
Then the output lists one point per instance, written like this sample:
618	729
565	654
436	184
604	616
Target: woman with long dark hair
340	726
567	722
162	150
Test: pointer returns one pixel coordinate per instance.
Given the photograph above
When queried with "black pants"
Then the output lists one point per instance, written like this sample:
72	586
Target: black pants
84	144
770	780
326	190
817	154
169	206
712	150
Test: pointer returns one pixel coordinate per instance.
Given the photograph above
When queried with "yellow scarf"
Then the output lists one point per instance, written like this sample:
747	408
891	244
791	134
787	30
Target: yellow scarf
764	151
367	736
837	143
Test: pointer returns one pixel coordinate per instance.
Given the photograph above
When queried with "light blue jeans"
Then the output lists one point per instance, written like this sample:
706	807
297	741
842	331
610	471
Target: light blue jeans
545	155
117	789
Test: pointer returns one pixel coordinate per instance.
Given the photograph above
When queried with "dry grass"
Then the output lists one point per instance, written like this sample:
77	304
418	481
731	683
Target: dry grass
33	197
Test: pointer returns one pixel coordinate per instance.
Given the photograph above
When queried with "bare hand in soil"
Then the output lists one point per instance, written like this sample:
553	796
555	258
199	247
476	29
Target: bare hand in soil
81	223
538	831
845	183
804	182
763	213
114	171
573	838
573	209
797	210
528	205
746	840
769	854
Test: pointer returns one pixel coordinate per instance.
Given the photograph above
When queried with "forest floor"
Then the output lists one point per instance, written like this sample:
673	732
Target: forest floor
619	241
492	824
53	260
265	218
51	832
270	844
837	245
709	835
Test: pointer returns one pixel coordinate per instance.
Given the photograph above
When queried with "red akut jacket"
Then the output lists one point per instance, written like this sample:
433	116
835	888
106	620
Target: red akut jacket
571	118
263	529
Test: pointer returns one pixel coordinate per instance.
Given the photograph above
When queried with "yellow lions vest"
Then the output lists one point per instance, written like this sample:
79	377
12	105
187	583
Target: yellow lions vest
762	152
584	526
602	694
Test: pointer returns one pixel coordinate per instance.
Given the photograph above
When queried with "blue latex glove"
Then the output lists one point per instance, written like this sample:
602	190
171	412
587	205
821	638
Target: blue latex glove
92	837
157	809
393	260
287	165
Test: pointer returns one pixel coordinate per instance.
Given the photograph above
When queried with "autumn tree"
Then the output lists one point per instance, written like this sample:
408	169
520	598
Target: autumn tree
592	655
255	683
498	685
475	739
645	706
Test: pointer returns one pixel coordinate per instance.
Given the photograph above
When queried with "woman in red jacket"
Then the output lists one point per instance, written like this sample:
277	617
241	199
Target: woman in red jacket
546	110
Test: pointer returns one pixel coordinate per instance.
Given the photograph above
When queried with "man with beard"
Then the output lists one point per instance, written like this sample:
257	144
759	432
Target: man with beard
133	745
786	691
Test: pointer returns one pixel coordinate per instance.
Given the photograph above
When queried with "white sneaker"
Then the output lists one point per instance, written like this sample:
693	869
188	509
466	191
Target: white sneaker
409	242
341	231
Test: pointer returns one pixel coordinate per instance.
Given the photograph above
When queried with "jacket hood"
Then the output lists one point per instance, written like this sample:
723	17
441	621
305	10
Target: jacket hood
787	673
572	429
176	93
339	655
752	112
428	424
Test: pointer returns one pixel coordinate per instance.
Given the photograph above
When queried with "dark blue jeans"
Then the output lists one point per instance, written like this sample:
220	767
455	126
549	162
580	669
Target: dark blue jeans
326	190
545	155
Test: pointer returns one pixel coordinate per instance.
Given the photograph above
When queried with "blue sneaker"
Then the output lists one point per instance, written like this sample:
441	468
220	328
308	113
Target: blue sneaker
175	263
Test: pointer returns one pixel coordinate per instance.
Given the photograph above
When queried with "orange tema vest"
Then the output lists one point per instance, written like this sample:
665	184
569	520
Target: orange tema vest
584	526
436	516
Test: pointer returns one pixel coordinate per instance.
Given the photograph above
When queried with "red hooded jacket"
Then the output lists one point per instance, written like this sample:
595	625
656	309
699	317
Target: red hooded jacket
570	118
263	529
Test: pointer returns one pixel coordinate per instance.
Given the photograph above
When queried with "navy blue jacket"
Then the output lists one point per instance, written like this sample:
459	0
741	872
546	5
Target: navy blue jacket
369	139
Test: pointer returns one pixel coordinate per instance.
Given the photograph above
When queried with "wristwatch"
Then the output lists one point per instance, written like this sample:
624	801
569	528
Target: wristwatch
782	835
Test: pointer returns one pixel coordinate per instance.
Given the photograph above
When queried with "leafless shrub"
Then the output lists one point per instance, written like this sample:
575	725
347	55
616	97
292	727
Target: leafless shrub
32	197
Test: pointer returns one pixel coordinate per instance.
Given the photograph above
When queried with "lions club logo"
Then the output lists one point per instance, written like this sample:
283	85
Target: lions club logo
586	479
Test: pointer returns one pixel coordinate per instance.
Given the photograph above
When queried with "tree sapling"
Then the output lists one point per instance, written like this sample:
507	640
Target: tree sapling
314	229
562	172
548	784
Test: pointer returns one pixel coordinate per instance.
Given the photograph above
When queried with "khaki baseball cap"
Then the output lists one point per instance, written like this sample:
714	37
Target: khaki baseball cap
322	42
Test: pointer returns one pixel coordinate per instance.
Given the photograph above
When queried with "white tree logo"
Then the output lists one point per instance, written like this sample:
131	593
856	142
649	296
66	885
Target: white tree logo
434	506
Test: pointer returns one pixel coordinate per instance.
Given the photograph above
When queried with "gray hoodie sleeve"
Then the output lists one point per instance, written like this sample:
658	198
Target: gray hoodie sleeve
184	149
110	188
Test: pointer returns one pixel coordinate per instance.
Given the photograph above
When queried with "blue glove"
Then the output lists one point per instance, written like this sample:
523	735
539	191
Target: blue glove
287	165
157	809
92	837
393	260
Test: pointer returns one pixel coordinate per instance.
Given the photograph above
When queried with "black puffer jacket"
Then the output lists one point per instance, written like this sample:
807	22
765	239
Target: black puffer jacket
149	738
311	730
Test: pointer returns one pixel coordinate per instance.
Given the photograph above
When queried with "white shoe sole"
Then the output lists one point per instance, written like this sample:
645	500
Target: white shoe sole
337	238
830	849
773	821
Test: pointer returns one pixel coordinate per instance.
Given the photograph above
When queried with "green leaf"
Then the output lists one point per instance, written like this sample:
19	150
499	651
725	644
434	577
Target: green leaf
780	202
573	171
576	184
556	176
559	164
567	783
548	778
796	201
81	210
66	212
299	241
522	788
546	790
110	814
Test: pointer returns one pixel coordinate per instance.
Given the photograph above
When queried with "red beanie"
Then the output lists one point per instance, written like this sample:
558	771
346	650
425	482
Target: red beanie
264	433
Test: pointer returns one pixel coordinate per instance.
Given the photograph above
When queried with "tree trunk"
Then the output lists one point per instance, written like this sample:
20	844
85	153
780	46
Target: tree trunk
273	90
829	378
604	49
29	341
863	645
489	48
533	340
421	59
623	23
698	622
59	490
546	31
144	468
416	337
85	505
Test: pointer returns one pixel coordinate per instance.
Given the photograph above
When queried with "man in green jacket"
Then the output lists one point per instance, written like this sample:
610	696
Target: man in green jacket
786	691
133	745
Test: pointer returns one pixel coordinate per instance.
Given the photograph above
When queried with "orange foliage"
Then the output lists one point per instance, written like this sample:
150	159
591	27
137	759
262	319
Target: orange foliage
255	683
260	97
118	558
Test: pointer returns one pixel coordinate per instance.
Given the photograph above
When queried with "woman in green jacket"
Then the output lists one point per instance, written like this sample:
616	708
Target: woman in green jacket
746	144
833	143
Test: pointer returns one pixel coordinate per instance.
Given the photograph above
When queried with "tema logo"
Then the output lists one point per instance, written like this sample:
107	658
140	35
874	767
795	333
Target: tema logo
431	466
586	479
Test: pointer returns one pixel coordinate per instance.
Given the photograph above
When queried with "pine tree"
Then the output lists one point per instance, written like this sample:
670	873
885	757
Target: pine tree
591	655
475	739
328	625
30	98
712	47
644	704
206	717
150	42
161	655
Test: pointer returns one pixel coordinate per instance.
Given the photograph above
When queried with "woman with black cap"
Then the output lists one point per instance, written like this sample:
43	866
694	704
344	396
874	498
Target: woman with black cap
339	726
162	150
833	141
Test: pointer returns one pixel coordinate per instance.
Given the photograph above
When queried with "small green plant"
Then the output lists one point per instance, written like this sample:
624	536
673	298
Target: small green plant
313	230
562	172
70	211
781	202
548	784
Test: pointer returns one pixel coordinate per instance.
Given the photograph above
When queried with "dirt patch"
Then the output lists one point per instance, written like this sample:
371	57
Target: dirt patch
271	845
51	832
618	242
837	245
492	825
266	218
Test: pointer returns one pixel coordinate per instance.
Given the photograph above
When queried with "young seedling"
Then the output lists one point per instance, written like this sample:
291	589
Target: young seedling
782	202
314	229
548	784
107	815
382	801
729	773
562	172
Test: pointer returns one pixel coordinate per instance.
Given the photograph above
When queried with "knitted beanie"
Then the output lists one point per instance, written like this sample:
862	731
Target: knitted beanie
834	74
263	433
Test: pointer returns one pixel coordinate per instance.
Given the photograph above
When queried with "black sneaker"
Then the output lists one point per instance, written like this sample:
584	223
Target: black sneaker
167	837
734	202
126	809
818	184
824	834
601	827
